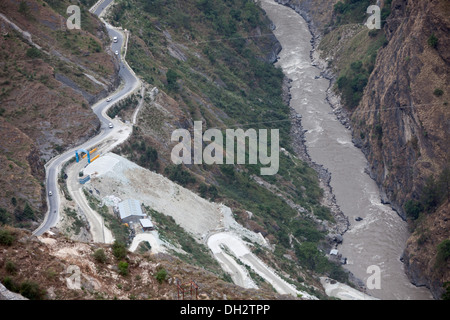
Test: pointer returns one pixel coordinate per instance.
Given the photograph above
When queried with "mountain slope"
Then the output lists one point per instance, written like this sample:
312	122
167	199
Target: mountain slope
46	269
405	121
212	61
48	78
394	86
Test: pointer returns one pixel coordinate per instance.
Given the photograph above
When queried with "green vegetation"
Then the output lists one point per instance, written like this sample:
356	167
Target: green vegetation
226	82
77	223
252	88
119	250
119	230
100	256
178	174
123	268
9	284
31	290
354	74
144	247
310	257
438	92
386	11
433	41
50	273
446	295
62	177
354	11
206	191
355	59
413	209
34	53
24	9
5	216
196	253
129	103
433	194
350	11
161	275
88	22
443	253
143	154
28	213
10	267
172	78
7	238
28	289
78	43
21	216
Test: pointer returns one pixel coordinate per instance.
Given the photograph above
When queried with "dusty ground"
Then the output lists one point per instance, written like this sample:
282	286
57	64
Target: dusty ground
114	175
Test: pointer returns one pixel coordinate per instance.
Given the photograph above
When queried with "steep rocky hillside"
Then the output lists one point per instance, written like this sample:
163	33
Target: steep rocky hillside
394	85
403	126
212	61
49	76
48	268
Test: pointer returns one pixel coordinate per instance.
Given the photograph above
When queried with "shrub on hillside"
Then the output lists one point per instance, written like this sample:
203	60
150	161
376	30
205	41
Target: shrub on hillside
443	253
123	268
33	53
31	290
438	92
433	41
100	256
6	237
161	275
119	250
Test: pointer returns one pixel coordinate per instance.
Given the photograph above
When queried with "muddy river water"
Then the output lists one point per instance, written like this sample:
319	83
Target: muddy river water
379	238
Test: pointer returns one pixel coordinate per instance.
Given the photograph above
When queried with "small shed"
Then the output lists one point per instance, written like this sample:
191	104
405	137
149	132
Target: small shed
130	211
334	252
146	224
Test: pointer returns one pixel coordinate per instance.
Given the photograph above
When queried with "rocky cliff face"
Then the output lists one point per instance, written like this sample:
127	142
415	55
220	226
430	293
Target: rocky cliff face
402	122
403	119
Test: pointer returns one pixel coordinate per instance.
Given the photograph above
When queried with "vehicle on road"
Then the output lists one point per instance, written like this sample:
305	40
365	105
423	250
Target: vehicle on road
130	83
115	39
111	125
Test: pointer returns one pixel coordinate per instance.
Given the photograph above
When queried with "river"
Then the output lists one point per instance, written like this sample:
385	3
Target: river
380	237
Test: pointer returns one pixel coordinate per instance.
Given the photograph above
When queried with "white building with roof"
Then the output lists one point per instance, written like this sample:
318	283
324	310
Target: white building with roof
130	211
146	224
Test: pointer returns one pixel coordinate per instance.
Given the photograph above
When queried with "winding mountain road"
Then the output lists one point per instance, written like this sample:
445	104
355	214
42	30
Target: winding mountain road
130	82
